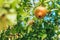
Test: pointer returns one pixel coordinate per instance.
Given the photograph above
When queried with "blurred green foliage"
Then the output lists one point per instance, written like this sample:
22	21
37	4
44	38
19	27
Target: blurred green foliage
47	28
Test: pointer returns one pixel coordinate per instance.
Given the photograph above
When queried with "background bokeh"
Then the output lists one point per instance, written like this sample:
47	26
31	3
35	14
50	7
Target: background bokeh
19	12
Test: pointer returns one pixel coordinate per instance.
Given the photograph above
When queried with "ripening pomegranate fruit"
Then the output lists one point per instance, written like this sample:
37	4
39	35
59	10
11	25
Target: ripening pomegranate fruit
40	12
